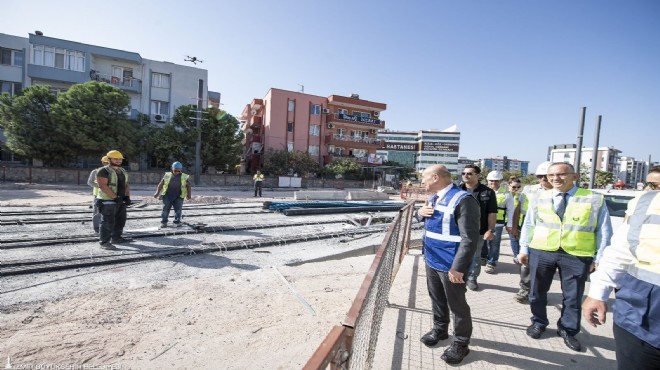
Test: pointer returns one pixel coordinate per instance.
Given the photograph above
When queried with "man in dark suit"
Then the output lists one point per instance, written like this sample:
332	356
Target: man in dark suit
451	234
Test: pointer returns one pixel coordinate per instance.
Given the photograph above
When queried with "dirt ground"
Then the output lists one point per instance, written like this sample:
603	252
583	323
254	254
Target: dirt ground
233	310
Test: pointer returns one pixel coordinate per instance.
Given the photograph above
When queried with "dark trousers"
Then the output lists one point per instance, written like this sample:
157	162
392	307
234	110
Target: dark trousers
634	353
525	279
168	204
257	187
445	297
113	221
573	273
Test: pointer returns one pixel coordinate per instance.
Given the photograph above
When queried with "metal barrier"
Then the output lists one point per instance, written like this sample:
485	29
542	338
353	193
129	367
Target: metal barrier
353	344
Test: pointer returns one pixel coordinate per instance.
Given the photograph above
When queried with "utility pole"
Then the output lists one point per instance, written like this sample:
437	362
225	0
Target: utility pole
594	156
578	151
198	145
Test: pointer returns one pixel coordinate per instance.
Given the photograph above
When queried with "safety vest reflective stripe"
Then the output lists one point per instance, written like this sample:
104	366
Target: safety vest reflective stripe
259	177
576	234
447	238
166	183
112	182
502	197
644	237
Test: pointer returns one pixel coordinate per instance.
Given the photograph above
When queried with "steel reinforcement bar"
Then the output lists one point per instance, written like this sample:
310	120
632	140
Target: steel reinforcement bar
36	266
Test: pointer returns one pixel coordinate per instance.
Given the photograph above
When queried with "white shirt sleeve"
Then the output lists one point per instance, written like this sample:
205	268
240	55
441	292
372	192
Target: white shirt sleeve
92	178
612	266
509	211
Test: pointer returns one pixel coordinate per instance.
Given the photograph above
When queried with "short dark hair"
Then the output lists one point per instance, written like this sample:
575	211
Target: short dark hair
570	166
474	167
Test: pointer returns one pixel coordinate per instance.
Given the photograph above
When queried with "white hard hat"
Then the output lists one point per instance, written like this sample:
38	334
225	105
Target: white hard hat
542	168
495	175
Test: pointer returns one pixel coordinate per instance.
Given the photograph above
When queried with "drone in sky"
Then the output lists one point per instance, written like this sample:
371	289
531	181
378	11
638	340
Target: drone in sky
194	60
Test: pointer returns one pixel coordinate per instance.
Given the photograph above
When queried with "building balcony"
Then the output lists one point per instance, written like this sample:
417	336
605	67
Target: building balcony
332	157
362	122
256	121
354	141
125	83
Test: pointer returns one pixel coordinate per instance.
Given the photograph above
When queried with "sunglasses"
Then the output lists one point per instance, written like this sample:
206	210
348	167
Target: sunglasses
541	176
515	187
653	185
176	170
468	173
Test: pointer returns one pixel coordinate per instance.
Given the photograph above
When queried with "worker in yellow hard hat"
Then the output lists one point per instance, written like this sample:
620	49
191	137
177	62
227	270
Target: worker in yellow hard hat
111	199
91	181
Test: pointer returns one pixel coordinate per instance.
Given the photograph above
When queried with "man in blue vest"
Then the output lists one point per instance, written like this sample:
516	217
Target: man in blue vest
451	235
631	264
173	189
565	229
111	199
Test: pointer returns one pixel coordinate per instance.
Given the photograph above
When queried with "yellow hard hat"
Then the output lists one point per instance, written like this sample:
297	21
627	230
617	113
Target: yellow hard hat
105	159
114	154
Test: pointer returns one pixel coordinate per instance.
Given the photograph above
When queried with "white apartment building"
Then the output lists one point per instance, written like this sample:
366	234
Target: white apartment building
607	158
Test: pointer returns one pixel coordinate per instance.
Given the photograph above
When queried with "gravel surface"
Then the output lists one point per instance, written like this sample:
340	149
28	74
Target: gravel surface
265	307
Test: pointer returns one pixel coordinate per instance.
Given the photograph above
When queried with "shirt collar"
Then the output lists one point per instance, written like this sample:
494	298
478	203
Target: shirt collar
441	193
570	191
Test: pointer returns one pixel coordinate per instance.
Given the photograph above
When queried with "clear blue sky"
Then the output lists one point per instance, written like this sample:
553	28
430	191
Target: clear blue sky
512	74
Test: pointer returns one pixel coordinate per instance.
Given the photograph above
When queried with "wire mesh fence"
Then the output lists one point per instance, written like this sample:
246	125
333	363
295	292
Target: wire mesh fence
353	345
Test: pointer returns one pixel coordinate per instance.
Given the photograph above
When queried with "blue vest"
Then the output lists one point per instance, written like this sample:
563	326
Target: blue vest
637	309
441	234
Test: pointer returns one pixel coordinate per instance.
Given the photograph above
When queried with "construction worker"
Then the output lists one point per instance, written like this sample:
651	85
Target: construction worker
631	265
520	204
91	181
530	192
258	182
504	219
565	229
111	199
173	189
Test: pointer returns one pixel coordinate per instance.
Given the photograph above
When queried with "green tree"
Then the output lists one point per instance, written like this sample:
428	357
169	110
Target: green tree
168	145
603	178
303	164
32	130
344	166
94	116
221	141
276	162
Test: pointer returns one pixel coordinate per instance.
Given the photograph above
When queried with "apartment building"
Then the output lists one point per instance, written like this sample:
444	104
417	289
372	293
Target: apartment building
607	158
505	164
328	128
155	88
421	149
632	171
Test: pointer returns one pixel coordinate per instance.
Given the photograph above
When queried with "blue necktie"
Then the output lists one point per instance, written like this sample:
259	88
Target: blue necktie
561	208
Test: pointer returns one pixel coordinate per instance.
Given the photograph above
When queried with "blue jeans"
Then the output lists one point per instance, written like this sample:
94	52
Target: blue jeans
515	245
177	203
494	245
475	266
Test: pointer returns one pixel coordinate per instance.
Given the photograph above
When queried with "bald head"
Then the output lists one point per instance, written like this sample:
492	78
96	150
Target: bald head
436	177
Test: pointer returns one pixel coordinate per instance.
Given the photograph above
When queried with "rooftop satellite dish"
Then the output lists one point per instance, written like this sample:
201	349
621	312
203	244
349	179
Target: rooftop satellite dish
39	33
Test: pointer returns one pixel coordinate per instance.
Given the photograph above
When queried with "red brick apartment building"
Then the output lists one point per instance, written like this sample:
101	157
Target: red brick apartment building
327	128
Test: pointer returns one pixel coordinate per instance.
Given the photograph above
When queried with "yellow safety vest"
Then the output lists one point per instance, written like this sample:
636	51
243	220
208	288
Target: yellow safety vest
112	183
502	198
523	206
577	233
258	177
95	189
184	180
644	236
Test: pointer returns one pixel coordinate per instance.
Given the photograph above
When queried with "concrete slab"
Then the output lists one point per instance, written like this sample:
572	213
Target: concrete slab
320	195
366	195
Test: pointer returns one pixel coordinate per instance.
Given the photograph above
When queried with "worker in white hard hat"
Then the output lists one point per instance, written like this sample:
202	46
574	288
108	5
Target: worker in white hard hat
531	192
505	208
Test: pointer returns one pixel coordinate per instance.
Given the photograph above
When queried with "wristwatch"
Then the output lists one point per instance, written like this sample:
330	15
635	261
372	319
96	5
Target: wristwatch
492	231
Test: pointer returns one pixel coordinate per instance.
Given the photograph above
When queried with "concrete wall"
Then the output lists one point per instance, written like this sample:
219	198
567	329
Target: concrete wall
41	175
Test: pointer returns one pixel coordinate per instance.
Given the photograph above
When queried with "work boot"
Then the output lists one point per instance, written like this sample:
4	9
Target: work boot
120	239
433	337
108	246
483	261
455	353
522	297
489	269
472	284
163	225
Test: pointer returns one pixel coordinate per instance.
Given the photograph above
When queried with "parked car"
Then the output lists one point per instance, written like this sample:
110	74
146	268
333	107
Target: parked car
617	203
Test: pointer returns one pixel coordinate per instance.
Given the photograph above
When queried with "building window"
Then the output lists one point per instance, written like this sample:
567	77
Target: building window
341	131
12	88
289	146
289	127
361	114
360	153
315	109
10	57
160	107
160	80
122	76
342	111
339	151
314	130
313	150
48	56
292	105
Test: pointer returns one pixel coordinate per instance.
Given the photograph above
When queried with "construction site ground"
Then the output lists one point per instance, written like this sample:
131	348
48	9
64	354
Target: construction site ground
265	307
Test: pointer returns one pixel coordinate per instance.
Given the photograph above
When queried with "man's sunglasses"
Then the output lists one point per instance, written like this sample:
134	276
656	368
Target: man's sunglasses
653	185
